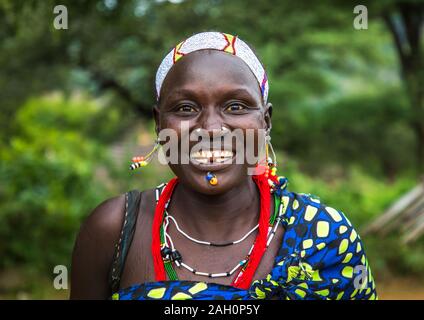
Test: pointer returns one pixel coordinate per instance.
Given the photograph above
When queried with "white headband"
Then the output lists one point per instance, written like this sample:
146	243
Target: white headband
218	41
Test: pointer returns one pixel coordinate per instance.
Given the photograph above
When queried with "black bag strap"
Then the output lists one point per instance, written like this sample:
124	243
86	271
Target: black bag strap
132	203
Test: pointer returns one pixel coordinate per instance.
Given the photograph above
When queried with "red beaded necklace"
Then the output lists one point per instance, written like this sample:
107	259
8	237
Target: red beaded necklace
244	278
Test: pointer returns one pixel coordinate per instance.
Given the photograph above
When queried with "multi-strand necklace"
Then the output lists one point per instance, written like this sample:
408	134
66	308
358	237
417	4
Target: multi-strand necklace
171	254
165	254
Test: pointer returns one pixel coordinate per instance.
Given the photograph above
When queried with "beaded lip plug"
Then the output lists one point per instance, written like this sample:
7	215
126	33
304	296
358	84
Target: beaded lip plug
211	178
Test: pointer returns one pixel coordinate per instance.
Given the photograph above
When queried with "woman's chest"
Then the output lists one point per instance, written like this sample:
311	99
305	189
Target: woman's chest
139	267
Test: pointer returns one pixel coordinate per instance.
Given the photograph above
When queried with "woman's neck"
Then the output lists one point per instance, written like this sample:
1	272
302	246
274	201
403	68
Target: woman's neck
218	218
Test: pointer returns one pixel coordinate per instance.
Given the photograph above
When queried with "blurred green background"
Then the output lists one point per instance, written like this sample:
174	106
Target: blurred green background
348	118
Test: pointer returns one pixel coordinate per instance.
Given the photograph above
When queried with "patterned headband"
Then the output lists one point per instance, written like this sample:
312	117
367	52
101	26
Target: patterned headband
218	41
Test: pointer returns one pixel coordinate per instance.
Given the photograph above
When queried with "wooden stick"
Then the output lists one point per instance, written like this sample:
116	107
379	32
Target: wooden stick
396	209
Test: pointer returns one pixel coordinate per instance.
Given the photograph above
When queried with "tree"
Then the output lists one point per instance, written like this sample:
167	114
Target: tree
312	53
405	20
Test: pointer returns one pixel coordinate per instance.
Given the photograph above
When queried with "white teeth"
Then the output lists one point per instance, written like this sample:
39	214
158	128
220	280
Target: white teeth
202	160
207	156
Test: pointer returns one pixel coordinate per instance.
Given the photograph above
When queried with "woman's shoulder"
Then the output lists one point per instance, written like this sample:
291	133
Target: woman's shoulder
104	223
309	208
95	246
94	249
310	221
108	216
321	241
305	209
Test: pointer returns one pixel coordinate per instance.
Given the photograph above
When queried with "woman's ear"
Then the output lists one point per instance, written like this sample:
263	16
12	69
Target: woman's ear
156	116
268	115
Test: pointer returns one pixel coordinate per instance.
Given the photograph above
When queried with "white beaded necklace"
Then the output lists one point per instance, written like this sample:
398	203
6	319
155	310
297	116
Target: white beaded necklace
169	217
170	245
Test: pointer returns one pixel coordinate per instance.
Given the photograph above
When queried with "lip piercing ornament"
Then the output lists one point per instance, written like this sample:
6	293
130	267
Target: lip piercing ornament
211	178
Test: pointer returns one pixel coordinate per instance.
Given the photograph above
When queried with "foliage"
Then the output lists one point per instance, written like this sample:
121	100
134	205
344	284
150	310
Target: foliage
341	114
46	173
368	130
362	197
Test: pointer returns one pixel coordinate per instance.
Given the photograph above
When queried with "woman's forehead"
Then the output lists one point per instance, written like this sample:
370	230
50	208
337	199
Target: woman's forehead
208	70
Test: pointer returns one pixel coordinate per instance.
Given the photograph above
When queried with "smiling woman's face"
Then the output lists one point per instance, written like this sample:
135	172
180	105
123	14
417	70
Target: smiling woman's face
209	90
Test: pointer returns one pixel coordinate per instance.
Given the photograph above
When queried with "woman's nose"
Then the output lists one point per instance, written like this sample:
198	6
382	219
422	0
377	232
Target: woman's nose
211	119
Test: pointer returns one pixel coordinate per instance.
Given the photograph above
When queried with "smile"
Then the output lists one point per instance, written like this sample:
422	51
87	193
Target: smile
212	157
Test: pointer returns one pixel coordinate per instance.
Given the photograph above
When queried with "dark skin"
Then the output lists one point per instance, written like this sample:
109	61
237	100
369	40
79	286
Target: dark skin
209	89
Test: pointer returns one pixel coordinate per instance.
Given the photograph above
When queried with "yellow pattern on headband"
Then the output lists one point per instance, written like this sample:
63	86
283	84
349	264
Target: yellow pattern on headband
230	46
177	54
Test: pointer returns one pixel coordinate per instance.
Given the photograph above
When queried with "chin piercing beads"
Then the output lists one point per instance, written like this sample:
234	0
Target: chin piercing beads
211	178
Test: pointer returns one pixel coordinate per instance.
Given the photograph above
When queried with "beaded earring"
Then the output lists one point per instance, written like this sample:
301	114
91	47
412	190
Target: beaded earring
271	162
277	184
142	161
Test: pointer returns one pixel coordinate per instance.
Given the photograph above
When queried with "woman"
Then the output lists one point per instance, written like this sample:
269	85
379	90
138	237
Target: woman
216	231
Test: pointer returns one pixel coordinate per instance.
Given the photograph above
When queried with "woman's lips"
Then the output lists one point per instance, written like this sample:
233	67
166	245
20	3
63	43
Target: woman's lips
212	156
212	160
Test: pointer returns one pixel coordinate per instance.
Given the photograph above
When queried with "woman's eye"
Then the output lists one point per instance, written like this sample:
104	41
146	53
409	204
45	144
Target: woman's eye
186	108
235	107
